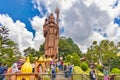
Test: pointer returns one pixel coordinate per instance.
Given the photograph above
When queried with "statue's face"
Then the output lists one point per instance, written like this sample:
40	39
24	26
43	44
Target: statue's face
51	20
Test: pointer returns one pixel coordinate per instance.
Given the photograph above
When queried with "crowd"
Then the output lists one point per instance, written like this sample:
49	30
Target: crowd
15	68
59	66
53	69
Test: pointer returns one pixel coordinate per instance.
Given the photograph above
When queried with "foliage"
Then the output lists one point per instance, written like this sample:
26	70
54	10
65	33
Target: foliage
100	68
46	78
99	73
115	71
78	70
84	66
9	51
32	53
73	59
41	49
67	46
101	53
115	62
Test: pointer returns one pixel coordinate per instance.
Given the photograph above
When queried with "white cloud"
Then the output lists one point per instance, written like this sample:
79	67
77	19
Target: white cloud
18	33
113	12
80	20
37	24
79	17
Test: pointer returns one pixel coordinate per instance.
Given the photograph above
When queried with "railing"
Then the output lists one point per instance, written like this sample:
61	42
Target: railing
21	76
59	76
114	77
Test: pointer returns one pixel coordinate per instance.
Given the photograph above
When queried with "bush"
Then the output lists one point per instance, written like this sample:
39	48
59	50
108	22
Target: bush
99	67
115	71
78	70
76	62
84	66
73	59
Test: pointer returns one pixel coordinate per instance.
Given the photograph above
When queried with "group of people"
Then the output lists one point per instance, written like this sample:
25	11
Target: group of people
93	75
68	70
4	68
56	67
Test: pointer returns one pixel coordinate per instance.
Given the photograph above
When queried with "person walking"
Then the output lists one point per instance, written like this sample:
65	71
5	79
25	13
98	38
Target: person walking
2	72
66	71
92	74
70	67
53	72
106	73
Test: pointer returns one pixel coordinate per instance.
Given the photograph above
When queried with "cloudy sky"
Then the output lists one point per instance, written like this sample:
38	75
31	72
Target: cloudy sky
82	20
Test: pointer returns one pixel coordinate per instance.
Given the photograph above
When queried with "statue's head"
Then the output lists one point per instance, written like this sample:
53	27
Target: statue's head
51	18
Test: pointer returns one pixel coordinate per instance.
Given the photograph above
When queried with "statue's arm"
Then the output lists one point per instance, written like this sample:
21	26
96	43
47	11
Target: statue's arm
45	30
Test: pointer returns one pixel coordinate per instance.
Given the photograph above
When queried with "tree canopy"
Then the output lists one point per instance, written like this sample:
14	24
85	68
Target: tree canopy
101	53
9	51
67	46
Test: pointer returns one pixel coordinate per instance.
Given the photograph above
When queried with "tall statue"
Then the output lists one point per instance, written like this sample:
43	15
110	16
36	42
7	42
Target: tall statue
51	34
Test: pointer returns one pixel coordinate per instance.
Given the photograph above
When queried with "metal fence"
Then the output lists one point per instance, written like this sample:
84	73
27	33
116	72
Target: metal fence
75	77
61	76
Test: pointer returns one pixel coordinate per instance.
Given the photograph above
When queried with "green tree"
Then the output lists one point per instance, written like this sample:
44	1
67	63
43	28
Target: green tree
73	59
115	62
8	49
67	46
101	53
32	52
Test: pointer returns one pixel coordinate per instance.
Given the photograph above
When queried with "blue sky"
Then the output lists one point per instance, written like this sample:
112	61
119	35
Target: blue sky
22	10
19	10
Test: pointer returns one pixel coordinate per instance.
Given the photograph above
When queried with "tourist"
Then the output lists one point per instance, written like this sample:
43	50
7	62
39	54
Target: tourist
58	64
53	72
92	74
62	65
33	67
15	68
39	68
70	67
106	73
19	65
66	71
2	72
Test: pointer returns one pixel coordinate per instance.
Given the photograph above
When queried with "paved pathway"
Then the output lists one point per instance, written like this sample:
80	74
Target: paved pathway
60	76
